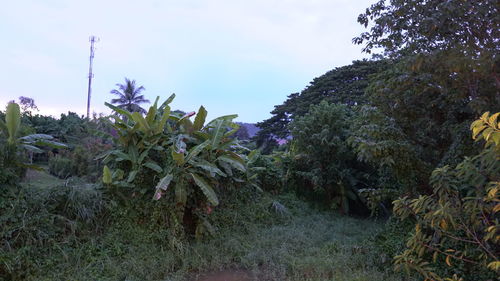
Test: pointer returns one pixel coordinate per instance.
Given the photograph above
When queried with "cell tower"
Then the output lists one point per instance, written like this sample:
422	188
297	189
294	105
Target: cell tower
92	40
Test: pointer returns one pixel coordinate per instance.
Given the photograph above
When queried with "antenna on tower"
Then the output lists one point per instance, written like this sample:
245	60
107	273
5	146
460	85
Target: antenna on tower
92	40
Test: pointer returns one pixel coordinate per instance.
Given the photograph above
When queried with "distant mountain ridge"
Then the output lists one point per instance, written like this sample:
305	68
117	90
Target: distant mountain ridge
251	128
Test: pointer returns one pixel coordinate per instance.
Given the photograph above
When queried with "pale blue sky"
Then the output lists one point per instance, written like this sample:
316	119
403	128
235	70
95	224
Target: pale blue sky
231	56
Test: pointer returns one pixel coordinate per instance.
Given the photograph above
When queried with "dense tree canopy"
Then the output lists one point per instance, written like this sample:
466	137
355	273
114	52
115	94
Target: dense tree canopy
424	26
345	85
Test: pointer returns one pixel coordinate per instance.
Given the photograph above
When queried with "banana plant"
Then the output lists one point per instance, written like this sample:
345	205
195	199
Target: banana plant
30	143
138	136
196	157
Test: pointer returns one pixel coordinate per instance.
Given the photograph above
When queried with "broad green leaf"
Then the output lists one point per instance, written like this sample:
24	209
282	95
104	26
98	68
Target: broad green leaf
134	154
229	143
202	135
222	118
119	110
217	133
167	102
163	121
121	154
164	182
49	143
32	148
131	176
12	120
186	124
235	129
236	162
36	137
196	150
150	116
209	167
199	121
143	156
206	189
118	174
493	119
153	166
226	167
139	119
106	175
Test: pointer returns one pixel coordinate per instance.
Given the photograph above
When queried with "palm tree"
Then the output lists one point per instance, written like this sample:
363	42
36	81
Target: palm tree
129	96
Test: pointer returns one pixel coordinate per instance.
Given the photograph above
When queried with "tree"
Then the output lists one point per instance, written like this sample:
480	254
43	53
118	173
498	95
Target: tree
401	27
27	104
324	168
344	85
129	96
446	74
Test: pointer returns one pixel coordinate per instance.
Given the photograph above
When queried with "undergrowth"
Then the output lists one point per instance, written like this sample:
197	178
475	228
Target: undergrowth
70	237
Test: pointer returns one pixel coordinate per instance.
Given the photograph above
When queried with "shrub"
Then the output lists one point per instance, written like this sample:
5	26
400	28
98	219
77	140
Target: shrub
186	161
61	167
456	231
36	222
79	162
379	142
323	166
269	171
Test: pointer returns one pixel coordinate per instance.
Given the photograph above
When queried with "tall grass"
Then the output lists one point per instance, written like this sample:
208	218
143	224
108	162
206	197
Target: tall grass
251	236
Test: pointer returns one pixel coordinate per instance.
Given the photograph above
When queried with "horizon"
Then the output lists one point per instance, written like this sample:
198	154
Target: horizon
231	57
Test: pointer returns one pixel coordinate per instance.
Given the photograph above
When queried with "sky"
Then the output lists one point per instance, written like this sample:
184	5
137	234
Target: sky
231	56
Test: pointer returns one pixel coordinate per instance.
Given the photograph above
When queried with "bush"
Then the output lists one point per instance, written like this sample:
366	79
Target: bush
62	167
269	171
10	171
456	231
80	161
323	166
36	222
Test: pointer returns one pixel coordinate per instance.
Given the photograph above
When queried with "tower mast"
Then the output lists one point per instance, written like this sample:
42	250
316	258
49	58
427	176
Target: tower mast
92	40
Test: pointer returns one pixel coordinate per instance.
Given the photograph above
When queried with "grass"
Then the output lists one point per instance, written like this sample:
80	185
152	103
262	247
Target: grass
41	179
255	237
299	244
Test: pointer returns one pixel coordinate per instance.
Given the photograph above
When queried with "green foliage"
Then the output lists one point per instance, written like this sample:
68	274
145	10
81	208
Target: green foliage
80	161
378	141
488	128
345	85
10	173
12	121
37	222
391	240
323	164
457	226
186	161
424	26
14	150
268	172
133	244
62	167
